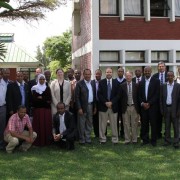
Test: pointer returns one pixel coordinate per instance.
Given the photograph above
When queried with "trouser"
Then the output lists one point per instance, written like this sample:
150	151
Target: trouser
14	141
2	122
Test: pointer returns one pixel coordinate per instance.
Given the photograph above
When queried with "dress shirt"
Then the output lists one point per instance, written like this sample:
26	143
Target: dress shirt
62	126
21	87
139	79
90	91
17	125
163	77
3	89
110	82
120	79
169	93
97	86
147	81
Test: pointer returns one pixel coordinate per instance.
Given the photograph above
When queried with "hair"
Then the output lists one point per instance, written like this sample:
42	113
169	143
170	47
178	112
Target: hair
170	72
59	69
86	70
59	103
98	70
161	62
130	72
21	107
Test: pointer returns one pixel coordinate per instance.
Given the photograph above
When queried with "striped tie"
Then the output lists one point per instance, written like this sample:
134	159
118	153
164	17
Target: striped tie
129	95
161	81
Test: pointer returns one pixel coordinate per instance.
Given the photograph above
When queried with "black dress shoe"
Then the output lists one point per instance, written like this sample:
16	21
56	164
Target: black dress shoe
89	142
82	144
176	145
154	144
166	144
127	143
102	142
144	143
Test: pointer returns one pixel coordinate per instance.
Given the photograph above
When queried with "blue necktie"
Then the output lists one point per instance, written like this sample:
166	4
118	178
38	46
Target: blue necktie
109	90
22	94
161	78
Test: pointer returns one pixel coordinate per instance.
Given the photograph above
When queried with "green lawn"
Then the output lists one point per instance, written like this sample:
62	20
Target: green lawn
93	162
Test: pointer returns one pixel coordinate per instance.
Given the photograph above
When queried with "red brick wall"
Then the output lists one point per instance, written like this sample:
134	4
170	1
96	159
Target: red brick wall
85	34
12	74
138	28
85	61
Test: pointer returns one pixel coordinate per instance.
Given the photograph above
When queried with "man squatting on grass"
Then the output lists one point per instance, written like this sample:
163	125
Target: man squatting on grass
15	132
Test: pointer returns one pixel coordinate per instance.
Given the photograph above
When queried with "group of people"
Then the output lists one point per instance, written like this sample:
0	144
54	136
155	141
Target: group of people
42	111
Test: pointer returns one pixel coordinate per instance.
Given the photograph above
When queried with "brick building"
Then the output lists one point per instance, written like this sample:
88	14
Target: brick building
128	33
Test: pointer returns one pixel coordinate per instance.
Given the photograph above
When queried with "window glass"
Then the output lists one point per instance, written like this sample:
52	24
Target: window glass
133	7
109	56
177	7
108	7
159	56
135	56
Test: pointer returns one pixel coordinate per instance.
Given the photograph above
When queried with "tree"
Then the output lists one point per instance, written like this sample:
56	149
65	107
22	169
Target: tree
58	48
28	9
2	51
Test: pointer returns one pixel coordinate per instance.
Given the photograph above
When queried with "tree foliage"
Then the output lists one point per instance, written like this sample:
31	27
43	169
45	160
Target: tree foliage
58	48
27	9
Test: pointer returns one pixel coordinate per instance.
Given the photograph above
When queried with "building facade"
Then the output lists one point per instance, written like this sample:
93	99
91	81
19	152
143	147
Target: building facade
128	33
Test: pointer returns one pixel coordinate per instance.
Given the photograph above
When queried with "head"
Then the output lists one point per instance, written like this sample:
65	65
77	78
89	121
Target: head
161	67
129	76
47	74
60	74
41	79
87	74
109	72
70	73
19	77
38	71
98	74
77	74
60	108
147	72
170	76
26	76
138	72
120	72
1	73
21	111
6	74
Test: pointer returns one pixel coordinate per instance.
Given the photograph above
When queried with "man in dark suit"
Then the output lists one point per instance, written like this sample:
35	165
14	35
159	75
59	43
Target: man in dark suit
170	108
149	90
162	76
85	95
98	74
108	95
120	79
17	94
130	109
63	127
138	76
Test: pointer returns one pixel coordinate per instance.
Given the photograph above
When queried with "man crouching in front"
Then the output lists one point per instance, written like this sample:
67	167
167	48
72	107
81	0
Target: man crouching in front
15	131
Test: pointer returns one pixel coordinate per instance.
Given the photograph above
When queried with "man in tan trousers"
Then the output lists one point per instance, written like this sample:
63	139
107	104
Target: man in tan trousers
15	132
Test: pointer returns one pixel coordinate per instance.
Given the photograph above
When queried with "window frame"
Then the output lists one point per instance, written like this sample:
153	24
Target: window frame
157	60
118	60
135	61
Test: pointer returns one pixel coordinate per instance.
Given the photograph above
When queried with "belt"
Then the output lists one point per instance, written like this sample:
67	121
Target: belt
90	103
130	104
168	105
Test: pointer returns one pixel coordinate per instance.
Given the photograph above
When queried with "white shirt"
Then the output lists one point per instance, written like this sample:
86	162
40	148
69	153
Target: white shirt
139	79
3	89
169	93
120	79
130	84
90	90
147	86
62	126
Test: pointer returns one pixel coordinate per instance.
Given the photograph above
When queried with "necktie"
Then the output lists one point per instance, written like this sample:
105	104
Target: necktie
129	95
109	90
138	80
161	78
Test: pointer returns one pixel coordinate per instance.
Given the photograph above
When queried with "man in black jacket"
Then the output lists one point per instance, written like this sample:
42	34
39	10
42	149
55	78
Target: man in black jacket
63	127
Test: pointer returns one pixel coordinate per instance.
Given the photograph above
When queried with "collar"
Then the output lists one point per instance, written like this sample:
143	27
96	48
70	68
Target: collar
19	83
87	81
170	84
148	79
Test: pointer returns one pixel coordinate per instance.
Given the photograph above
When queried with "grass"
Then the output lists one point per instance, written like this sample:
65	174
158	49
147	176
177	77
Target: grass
94	162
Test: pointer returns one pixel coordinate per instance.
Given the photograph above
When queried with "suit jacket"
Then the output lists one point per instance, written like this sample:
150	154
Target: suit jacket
116	93
82	95
134	79
69	123
153	92
124	99
31	83
124	80
13	97
175	99
55	92
156	75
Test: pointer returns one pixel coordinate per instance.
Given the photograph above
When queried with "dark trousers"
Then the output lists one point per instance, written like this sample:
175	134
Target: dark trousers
148	117
68	144
159	123
119	117
96	122
175	122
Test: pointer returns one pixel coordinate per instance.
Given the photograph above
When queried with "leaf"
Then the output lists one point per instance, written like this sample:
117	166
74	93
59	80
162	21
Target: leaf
5	5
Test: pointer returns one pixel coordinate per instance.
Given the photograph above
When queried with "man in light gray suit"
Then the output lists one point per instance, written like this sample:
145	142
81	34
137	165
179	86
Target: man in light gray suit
170	108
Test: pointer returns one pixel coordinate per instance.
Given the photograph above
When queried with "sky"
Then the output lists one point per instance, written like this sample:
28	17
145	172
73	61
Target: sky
29	36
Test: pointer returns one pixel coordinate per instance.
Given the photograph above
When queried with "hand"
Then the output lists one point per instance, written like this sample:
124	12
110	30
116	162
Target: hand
109	104
80	112
39	97
95	111
29	139
57	137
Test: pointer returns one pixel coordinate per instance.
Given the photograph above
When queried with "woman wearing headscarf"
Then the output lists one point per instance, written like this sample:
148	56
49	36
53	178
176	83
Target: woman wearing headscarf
60	90
42	118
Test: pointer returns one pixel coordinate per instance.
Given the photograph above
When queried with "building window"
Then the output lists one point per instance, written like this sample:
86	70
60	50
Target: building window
135	56
109	56
157	56
133	7
177	7
177	56
108	7
159	8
